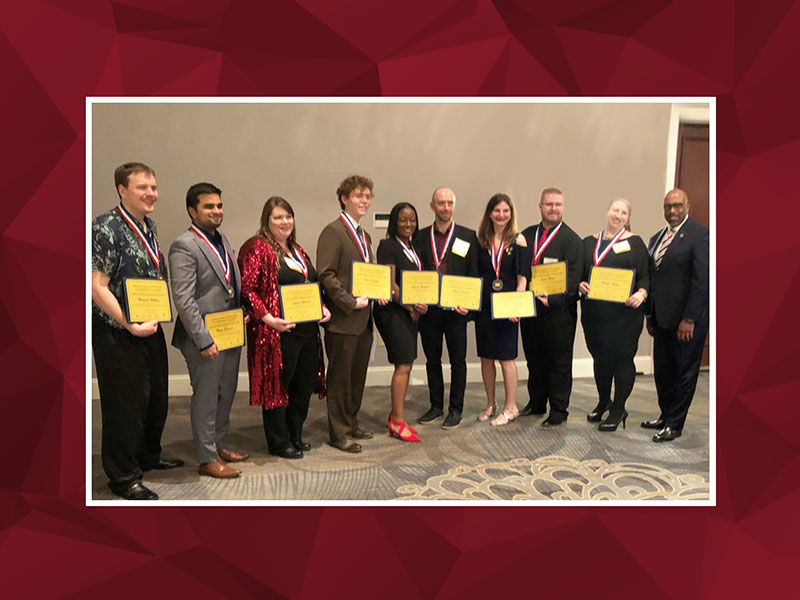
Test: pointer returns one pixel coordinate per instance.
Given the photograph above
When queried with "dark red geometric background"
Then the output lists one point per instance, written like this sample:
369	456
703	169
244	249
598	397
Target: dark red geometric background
55	53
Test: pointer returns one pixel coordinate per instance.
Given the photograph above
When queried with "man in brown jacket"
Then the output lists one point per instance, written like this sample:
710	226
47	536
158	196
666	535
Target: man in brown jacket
348	334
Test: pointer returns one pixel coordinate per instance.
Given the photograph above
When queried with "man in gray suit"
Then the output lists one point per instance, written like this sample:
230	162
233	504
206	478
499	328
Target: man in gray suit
205	278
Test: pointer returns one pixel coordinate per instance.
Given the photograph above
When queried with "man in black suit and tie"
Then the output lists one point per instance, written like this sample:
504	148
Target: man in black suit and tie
678	313
548	338
452	250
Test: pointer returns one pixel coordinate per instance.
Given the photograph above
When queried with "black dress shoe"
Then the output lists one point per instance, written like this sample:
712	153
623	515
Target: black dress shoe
289	452
360	434
452	420
351	448
667	435
597	413
530	410
163	464
432	414
653	424
552	421
302	446
137	491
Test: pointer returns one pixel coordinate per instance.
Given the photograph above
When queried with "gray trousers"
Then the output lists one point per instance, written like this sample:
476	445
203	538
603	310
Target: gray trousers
213	388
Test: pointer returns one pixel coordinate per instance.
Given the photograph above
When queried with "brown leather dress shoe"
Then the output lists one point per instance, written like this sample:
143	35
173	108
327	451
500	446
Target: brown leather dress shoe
360	434
218	470
231	456
352	447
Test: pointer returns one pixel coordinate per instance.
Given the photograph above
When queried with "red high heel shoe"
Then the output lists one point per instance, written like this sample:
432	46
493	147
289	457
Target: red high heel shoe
410	428
403	431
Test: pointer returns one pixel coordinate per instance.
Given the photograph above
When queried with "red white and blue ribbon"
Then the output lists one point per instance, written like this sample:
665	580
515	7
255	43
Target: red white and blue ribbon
439	257
152	249
361	240
410	253
537	251
497	258
599	256
297	257
225	264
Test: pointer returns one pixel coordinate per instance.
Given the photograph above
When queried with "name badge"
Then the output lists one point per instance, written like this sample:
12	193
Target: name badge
621	247
460	247
547	260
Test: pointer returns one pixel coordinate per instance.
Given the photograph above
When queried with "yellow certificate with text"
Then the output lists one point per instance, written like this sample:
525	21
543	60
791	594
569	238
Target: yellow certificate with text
226	327
372	281
460	291
147	300
549	279
513	304
419	287
612	285
301	302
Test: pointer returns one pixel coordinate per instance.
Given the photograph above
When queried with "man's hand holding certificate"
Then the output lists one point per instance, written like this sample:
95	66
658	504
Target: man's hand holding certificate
464	292
147	300
371	281
226	328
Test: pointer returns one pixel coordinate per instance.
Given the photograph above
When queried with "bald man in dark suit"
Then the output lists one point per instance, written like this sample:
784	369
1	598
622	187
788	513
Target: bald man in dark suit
678	313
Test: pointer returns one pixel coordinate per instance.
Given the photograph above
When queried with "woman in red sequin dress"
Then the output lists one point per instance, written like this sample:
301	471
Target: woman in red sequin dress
284	359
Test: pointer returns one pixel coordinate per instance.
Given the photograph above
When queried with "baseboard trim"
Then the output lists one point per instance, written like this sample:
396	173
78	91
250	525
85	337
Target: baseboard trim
376	376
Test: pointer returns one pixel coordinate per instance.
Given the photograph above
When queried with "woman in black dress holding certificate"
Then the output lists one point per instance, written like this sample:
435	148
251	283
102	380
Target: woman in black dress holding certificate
504	265
396	322
612	329
284	359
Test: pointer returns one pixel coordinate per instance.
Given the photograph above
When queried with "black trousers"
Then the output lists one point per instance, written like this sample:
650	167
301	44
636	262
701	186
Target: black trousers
677	365
547	341
132	376
284	425
619	370
433	326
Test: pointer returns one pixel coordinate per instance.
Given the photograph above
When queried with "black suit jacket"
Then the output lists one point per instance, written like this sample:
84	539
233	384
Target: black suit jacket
465	266
566	246
680	286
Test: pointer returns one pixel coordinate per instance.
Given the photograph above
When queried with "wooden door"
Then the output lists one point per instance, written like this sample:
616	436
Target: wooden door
691	175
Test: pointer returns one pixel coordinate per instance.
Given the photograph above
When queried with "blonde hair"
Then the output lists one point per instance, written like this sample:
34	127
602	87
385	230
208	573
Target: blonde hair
628	206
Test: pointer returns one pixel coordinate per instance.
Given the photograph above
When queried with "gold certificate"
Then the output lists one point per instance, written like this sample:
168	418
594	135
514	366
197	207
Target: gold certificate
460	291
372	281
513	304
549	279
147	300
301	302
227	328
613	285
419	287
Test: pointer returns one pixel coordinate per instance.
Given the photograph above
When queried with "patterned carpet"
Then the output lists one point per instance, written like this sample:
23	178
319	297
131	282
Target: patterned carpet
521	461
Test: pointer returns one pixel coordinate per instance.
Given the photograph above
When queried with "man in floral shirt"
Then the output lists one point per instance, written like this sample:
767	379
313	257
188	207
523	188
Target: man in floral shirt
130	358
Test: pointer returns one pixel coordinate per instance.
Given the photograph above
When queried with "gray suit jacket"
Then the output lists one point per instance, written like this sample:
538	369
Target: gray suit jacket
199	287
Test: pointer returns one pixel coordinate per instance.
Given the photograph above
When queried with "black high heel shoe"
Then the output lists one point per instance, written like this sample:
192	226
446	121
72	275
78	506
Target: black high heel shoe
611	424
597	413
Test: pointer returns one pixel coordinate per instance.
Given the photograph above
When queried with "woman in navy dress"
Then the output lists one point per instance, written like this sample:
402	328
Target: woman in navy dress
612	329
397	323
504	265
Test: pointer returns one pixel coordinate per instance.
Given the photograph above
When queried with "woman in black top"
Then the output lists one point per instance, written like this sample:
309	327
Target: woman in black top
504	265
397	323
612	329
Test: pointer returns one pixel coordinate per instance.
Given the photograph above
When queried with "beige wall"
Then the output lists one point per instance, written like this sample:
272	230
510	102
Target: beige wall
594	152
